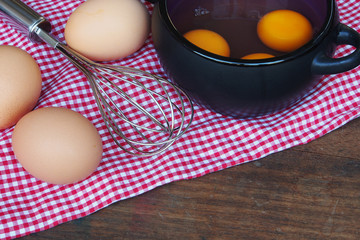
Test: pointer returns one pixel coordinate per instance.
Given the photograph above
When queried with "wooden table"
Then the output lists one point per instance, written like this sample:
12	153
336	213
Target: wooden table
307	192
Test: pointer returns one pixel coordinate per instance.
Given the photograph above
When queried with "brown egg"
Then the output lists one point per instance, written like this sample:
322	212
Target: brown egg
20	81
57	145
105	30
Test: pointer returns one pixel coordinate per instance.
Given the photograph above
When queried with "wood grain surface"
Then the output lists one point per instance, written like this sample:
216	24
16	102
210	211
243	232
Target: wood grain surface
306	192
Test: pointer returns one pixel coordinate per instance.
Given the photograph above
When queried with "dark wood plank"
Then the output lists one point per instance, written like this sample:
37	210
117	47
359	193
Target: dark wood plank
306	192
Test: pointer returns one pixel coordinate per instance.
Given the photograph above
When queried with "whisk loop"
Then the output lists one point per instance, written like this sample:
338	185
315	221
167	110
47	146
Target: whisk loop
144	113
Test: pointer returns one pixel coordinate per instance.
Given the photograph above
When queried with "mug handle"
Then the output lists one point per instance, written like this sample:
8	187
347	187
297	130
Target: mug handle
323	64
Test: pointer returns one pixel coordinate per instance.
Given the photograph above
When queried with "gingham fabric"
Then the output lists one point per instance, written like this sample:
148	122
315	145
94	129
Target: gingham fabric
213	142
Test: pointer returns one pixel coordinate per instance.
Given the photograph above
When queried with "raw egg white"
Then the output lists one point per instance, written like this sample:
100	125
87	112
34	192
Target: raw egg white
57	145
20	84
105	30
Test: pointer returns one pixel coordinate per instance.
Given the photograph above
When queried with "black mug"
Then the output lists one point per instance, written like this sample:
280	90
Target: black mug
249	88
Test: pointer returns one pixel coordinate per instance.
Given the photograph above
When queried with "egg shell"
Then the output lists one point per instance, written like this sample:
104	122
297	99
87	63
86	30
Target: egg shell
105	30
20	81
57	145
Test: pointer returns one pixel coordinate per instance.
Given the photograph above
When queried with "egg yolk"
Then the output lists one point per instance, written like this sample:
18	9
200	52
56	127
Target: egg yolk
254	56
284	30
209	41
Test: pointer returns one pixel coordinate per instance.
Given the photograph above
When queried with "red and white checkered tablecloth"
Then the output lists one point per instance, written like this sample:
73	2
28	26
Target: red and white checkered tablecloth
213	142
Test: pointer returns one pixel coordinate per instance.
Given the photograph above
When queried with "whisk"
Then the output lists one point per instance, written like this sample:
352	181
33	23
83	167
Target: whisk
144	113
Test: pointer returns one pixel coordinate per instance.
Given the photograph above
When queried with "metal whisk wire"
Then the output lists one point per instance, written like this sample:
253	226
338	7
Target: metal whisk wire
170	126
144	113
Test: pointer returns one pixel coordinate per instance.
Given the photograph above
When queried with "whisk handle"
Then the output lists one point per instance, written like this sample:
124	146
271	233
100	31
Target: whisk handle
22	17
